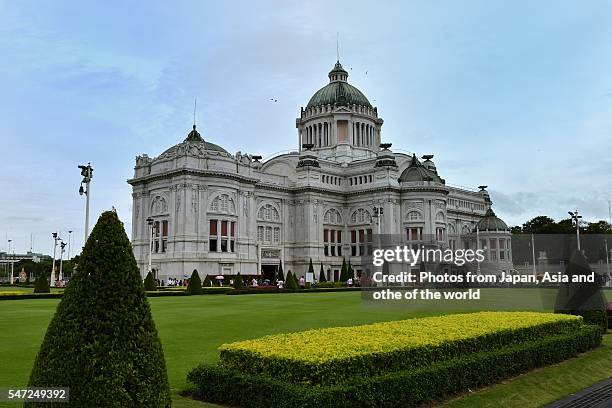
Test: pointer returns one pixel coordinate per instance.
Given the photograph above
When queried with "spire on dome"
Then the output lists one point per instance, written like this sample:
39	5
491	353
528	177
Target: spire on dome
194	136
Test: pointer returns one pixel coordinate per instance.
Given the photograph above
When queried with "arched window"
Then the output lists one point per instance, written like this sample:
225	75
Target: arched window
361	216
332	216
223	203
440	217
267	212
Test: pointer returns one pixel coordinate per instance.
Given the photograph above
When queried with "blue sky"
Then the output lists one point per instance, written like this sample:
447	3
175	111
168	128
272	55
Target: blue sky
516	95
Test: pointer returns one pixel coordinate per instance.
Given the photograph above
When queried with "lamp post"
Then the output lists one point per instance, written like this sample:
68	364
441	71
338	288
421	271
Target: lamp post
55	238
62	246
576	218
69	242
87	173
9	254
150	223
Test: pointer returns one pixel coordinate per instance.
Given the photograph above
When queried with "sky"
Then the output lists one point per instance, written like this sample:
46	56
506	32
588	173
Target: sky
516	95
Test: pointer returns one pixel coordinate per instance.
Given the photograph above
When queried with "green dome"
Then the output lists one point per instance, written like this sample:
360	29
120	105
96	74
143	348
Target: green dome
417	172
490	222
338	91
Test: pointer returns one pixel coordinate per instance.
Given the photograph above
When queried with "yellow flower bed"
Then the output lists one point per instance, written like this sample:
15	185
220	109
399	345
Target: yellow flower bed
374	348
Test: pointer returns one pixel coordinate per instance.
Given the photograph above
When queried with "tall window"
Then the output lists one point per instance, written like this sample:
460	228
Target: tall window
222	236
268	226
361	242
332	242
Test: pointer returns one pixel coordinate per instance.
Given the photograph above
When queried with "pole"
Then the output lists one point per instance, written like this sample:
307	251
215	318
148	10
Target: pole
150	245
54	253
88	185
61	261
535	272
9	255
69	241
607	259
578	230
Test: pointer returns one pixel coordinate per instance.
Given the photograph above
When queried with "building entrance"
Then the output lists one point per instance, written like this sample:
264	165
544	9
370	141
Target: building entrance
269	272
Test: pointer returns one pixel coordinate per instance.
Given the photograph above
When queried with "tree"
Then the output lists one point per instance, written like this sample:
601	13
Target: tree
290	282
149	282
280	276
42	284
322	274
238	282
343	271
540	225
310	267
102	342
599	227
195	284
208	281
351	272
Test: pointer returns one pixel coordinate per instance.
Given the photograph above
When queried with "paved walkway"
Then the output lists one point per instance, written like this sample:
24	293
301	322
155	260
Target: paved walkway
597	396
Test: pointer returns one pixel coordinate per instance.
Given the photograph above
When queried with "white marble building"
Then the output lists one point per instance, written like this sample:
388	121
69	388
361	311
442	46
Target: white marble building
222	214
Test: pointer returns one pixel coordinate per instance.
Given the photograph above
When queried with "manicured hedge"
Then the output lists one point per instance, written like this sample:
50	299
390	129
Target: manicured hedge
405	388
389	346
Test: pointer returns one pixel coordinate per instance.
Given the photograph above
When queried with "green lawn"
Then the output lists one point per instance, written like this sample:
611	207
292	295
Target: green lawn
191	329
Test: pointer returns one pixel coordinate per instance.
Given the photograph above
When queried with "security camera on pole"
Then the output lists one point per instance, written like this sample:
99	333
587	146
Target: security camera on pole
87	173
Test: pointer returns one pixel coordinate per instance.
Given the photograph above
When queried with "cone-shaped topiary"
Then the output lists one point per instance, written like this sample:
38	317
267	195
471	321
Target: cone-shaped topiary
238	282
42	285
351	272
208	281
322	274
310	267
280	276
102	341
291	283
149	282
344	271
582	298
195	284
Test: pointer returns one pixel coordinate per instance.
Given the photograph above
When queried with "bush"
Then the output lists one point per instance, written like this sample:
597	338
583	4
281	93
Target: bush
102	342
42	284
331	285
238	282
291	283
195	284
344	271
322	275
149	283
373	349
280	276
208	281
408	388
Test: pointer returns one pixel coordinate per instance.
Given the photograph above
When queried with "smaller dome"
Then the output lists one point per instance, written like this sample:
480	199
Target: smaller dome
192	143
417	172
490	222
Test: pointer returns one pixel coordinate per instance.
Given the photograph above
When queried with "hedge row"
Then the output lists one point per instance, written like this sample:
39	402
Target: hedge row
378	348
404	388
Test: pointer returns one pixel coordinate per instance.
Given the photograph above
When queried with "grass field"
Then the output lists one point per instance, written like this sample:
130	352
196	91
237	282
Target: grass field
191	329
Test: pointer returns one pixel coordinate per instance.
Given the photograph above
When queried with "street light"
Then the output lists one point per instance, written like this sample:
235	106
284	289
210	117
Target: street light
150	223
62	246
576	218
69	241
12	263
87	173
55	239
